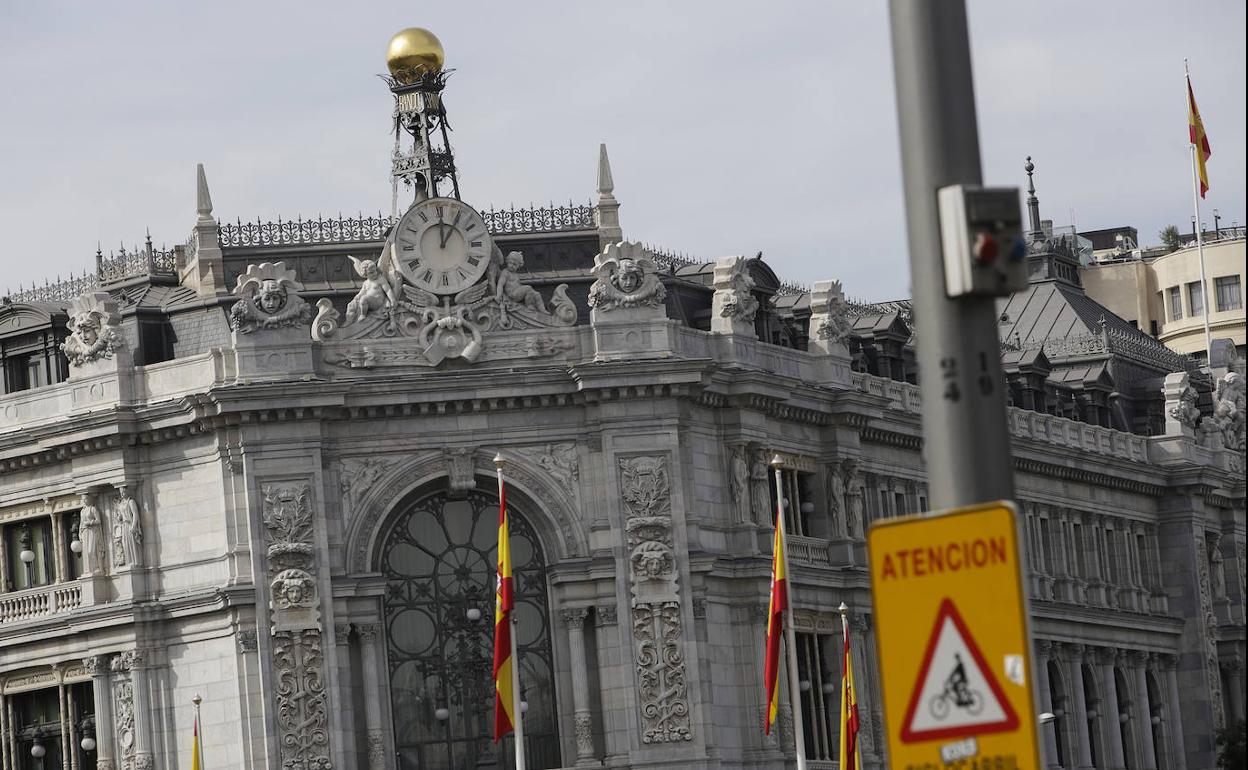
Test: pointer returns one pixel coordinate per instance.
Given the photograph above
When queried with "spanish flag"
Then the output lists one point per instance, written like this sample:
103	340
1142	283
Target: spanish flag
196	761
850	758
1199	139
504	696
775	625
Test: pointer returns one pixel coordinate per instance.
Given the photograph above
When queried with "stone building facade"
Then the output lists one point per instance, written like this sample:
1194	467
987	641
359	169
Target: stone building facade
259	471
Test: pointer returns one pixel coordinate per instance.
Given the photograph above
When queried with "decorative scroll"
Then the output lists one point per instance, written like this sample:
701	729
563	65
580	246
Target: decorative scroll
656	614
302	717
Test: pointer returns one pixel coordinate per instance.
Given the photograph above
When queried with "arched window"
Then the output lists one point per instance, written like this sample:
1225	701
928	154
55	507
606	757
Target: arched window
1057	696
1157	718
1094	716
440	558
1124	719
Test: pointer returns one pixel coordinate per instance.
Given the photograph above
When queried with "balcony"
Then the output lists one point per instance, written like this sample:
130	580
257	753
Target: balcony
39	602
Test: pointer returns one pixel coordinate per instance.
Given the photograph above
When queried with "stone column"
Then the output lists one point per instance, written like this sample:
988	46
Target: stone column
583	725
1173	714
862	649
4	726
139	679
369	634
342	638
101	689
1143	711
1048	733
60	568
1231	669
1081	738
1110	724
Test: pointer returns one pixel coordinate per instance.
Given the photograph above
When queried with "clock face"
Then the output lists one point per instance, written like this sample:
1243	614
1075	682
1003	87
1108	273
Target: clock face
442	245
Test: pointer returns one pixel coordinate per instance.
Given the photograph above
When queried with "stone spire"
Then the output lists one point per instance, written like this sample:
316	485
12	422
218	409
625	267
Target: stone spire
607	211
203	199
1033	203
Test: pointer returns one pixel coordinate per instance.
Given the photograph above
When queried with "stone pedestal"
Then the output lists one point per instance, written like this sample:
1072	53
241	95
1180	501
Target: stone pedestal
734	305
273	354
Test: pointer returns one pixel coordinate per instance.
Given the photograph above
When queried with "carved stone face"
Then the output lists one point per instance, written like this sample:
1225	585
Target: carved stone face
628	279
87	328
271	296
369	268
515	261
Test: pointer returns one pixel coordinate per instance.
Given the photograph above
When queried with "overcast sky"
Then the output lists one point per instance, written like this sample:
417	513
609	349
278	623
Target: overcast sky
732	127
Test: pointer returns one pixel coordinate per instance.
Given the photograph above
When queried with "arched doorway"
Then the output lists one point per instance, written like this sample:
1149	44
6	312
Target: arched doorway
439	555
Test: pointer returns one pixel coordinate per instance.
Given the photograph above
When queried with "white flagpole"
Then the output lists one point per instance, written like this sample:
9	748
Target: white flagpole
518	724
1200	236
790	638
199	729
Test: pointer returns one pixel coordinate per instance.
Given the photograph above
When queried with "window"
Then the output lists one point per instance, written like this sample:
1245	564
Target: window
32	537
798	489
1195	298
36	719
1076	534
1176	303
1227	290
73	559
820	685
902	508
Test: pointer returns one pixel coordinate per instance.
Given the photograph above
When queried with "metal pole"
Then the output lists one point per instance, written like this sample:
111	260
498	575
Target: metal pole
516	700
790	637
965	433
1200	236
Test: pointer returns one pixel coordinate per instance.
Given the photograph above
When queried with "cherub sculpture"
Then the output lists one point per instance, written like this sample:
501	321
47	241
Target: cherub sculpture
378	292
626	278
510	288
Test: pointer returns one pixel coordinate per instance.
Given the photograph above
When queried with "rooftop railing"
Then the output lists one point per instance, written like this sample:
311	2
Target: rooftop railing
109	269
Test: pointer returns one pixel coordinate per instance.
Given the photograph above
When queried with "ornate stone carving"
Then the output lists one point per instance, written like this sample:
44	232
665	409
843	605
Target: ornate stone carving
449	327
294	601
559	460
830	313
342	634
606	614
583	726
459	469
123	719
1209	635
855	498
733	305
1184	411
760	487
90	534
246	639
301	707
739	483
358	474
626	278
376	749
573	617
268	299
144	762
369	632
655	605
127	530
1217	566
96	665
1230	412
94	329
288	527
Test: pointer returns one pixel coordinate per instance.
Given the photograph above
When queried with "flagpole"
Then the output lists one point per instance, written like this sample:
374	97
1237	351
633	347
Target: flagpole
199	738
845	664
790	637
518	723
1200	235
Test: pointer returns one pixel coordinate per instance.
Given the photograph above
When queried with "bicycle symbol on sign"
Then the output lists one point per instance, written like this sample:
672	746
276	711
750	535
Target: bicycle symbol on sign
956	693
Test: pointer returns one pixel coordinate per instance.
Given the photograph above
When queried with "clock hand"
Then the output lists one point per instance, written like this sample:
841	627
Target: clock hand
441	232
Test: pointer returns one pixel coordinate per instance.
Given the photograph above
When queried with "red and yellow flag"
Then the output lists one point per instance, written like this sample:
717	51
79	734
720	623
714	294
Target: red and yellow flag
1199	139
850	757
775	625
196	760
504	697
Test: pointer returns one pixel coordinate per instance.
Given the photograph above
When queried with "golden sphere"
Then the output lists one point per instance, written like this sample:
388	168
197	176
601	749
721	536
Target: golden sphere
413	52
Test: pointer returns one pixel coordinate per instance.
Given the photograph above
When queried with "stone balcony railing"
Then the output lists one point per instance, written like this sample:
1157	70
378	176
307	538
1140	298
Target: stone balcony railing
815	551
39	602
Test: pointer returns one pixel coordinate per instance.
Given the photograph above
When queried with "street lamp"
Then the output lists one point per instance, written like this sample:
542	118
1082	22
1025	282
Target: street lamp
88	743
1046	717
38	751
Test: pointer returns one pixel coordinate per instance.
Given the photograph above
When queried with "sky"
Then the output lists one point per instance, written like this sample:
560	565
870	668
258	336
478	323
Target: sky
732	127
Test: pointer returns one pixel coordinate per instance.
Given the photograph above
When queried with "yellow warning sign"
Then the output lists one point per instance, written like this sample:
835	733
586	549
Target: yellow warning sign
952	634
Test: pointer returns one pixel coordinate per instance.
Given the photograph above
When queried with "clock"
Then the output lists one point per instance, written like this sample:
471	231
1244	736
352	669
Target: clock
442	245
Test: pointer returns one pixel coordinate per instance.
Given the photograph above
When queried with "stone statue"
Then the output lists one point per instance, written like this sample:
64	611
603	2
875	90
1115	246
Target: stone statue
834	323
760	480
1185	411
855	498
1229	410
127	530
739	487
626	278
837	511
1217	569
377	293
267	299
93	329
511	289
89	524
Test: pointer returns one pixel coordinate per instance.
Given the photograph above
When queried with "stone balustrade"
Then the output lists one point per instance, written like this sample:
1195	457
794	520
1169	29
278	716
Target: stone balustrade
809	550
39	602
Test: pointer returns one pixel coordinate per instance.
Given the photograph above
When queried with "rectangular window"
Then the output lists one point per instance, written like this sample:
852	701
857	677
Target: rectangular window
1176	303
1195	298
32	538
1111	555
818	673
883	504
73	559
1047	547
1228	293
1076	534
799	507
902	508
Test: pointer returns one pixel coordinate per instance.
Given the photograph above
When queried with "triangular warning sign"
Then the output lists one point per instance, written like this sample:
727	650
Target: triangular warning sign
956	694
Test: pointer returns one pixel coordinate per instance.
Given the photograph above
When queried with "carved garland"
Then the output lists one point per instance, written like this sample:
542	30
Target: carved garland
298	660
656	610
